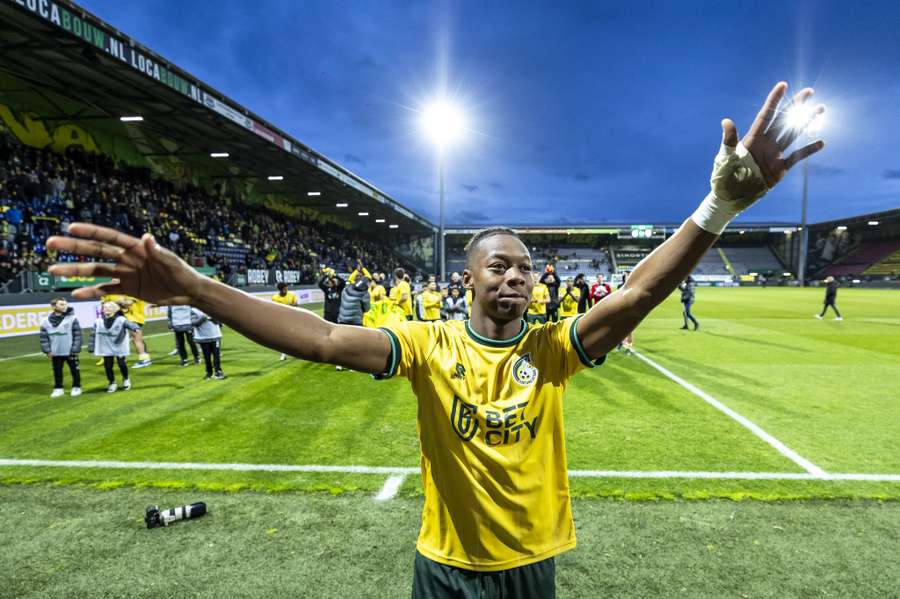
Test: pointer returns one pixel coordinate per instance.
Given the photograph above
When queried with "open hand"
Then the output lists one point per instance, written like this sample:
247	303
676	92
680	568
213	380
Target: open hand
771	134
140	267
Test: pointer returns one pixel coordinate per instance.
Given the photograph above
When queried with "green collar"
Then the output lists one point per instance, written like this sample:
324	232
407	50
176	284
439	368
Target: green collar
496	342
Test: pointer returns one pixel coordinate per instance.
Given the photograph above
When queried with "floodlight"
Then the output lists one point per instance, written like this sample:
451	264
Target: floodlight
276	178
443	122
341	205
219	155
131	119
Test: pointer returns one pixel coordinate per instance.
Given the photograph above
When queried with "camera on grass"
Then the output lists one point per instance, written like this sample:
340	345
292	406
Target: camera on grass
154	517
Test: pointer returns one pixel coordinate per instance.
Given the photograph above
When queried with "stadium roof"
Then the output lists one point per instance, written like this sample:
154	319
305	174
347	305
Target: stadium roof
618	228
56	46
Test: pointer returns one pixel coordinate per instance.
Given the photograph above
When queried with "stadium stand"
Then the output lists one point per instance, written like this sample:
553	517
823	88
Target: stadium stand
869	254
745	260
42	191
889	265
711	264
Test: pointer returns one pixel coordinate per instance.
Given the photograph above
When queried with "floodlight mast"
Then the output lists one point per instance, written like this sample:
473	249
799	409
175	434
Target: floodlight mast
443	124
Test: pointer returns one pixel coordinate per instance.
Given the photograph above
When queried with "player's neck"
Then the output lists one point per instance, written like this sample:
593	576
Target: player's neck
497	330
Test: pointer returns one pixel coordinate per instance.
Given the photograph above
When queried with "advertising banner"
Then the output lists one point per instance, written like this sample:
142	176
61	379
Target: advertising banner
272	276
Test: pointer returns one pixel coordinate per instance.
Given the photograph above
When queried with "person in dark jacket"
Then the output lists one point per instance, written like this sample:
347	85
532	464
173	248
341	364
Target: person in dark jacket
831	287
61	341
354	302
687	300
332	286
550	279
582	287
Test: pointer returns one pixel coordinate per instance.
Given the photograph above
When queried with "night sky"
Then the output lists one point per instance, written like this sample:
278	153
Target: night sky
580	112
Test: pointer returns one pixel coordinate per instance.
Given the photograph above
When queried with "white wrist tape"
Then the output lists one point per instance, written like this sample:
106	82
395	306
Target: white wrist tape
736	182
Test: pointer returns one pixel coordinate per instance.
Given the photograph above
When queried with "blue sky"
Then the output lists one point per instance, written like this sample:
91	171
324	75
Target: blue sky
581	111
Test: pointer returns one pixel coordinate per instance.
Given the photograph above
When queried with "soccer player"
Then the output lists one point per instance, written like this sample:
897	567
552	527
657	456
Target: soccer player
108	341
401	292
687	300
599	290
61	342
831	288
489	389
134	310
568	301
208	334
286	298
332	286
537	305
431	303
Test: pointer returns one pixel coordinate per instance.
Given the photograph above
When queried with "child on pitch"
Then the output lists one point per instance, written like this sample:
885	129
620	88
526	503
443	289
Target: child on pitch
489	389
109	341
181	324
61	342
208	333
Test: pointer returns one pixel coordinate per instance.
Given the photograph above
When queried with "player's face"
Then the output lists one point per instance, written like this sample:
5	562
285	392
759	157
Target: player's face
61	306
499	273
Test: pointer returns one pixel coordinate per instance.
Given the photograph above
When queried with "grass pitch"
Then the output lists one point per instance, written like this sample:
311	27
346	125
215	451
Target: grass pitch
829	391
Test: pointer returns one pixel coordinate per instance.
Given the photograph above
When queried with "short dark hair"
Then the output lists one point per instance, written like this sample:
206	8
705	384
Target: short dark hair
484	234
56	300
282	286
399	273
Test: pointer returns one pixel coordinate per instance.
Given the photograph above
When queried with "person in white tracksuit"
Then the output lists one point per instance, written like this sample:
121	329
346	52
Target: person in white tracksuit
208	334
109	340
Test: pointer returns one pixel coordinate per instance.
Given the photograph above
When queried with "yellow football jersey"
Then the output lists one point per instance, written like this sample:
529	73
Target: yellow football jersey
490	425
568	305
540	292
376	291
135	309
397	291
288	299
431	304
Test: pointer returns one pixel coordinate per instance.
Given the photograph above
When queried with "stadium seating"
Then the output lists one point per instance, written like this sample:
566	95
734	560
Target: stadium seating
41	192
889	265
868	254
711	264
745	260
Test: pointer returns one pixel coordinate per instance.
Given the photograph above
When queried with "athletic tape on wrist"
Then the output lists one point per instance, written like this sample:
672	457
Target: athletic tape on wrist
736	183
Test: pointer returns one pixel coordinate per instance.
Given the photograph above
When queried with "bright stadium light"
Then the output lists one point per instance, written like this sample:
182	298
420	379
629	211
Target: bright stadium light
393	226
379	220
131	119
219	155
313	193
873	223
362	214
842	227
799	116
276	178
443	122
742	232
341	205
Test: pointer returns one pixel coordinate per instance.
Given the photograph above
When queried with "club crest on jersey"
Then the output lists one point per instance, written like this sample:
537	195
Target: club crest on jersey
524	372
463	418
459	373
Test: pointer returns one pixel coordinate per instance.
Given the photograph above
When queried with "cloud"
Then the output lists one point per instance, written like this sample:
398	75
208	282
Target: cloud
354	159
471	217
826	171
469	187
892	173
496	185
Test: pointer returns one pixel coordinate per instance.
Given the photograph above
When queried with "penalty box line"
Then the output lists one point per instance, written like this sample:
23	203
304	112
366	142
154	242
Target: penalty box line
745	422
398	474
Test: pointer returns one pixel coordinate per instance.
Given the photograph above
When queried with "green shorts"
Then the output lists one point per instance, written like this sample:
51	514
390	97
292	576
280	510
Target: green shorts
433	580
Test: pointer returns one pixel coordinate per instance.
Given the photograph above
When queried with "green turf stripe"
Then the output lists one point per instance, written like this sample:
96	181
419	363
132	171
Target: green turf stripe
395	355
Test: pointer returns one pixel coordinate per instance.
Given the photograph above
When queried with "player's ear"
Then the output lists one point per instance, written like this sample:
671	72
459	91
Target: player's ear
467	279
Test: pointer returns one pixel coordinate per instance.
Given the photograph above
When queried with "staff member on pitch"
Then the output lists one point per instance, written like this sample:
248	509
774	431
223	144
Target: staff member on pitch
687	300
489	389
831	287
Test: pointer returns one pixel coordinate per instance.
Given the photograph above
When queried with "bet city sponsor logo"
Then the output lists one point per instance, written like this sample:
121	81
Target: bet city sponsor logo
505	426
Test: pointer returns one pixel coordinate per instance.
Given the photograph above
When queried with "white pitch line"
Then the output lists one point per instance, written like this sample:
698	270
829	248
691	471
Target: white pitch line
401	472
751	426
390	488
41	353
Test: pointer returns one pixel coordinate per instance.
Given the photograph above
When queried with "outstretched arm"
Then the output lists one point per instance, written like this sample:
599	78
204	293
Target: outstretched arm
141	268
743	172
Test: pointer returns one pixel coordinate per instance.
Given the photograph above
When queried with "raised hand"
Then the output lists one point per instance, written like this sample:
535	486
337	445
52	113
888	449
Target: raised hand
140	267
771	134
